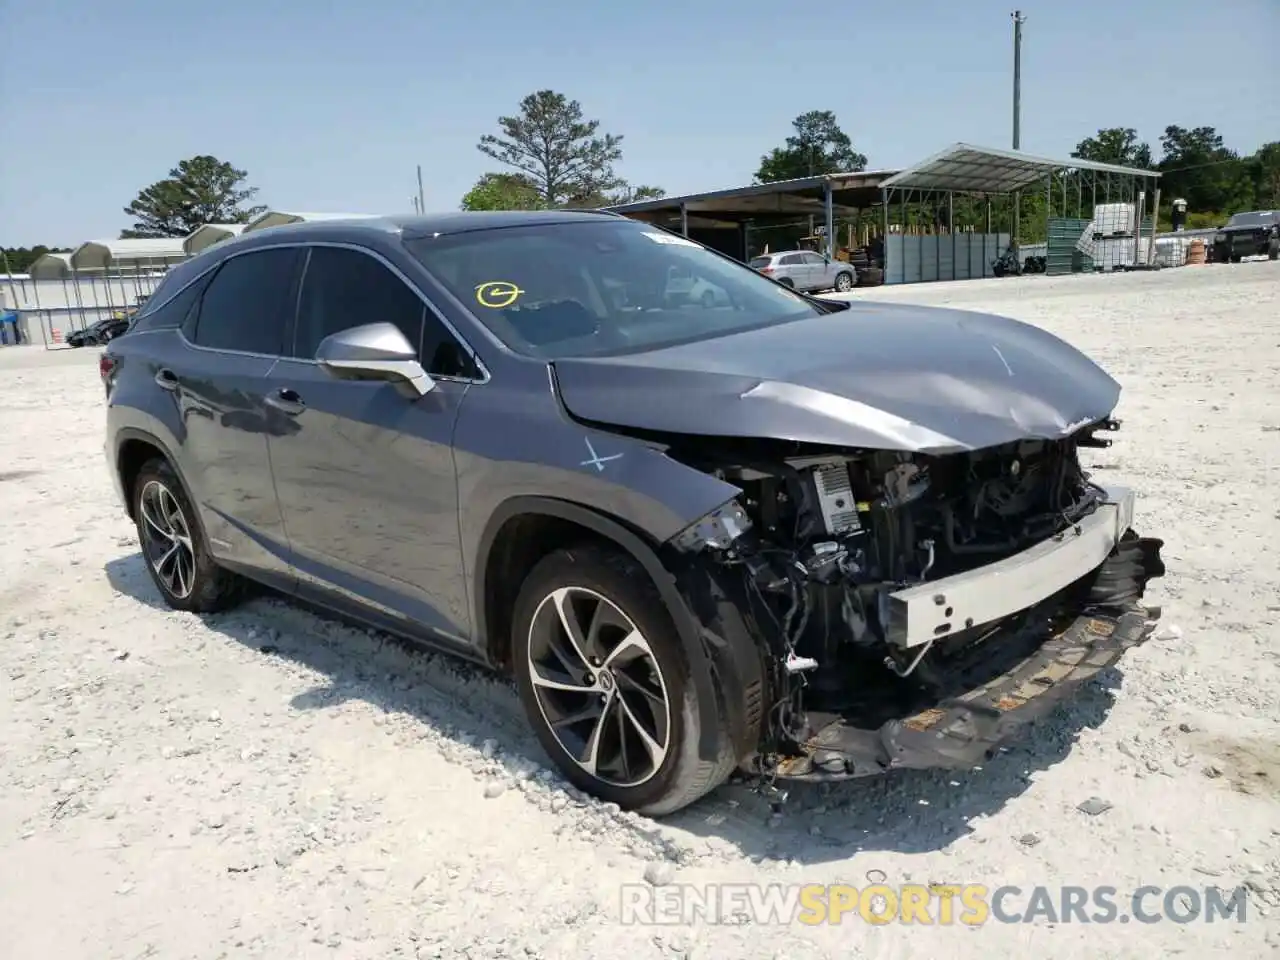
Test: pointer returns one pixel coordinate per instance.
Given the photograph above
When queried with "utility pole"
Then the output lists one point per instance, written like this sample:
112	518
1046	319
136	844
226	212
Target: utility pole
1018	21
422	203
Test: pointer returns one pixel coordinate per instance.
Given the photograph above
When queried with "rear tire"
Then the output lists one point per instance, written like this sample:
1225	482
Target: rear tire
605	682
174	547
788	282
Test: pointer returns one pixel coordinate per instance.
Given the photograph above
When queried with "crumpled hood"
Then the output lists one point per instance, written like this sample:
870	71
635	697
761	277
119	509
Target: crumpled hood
878	376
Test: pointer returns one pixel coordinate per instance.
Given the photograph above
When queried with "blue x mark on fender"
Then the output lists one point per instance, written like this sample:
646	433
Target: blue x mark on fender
595	460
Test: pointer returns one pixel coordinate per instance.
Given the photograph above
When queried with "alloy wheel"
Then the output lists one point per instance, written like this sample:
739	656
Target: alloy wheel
843	283
166	540
599	687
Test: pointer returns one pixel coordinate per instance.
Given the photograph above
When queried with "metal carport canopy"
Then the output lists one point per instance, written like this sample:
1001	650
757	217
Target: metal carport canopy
963	167
776	199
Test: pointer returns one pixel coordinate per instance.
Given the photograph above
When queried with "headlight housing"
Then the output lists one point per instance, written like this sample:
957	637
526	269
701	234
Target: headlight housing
716	530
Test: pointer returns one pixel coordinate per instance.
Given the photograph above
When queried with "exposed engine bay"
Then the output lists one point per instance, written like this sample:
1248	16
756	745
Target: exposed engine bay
822	540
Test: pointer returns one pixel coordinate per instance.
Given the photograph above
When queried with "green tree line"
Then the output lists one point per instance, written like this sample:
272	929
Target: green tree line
20	259
553	156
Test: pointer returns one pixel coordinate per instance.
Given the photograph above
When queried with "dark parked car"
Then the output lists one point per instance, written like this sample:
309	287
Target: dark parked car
1248	235
810	539
99	332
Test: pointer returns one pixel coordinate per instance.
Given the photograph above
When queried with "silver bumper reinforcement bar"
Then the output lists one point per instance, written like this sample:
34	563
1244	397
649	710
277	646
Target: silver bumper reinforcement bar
936	609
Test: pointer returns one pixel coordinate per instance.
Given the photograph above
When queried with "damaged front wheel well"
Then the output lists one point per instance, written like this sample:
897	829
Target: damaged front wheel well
516	547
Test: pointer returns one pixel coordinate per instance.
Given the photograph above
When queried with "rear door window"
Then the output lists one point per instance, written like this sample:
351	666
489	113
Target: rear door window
247	304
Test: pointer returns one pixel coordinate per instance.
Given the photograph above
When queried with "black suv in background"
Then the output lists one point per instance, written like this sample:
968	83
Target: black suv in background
1248	235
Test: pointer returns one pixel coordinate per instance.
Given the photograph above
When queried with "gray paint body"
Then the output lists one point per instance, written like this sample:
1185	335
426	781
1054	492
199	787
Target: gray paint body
383	506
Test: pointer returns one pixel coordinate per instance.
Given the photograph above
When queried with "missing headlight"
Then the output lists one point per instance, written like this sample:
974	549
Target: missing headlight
716	530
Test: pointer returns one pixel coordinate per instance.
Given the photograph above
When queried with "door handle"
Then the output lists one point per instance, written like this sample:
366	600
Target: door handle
286	400
166	379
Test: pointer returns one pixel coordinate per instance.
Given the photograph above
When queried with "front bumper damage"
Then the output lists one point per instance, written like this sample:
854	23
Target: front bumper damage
960	732
986	594
1052	617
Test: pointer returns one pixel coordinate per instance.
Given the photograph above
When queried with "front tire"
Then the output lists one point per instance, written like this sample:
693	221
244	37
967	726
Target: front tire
174	546
844	282
605	682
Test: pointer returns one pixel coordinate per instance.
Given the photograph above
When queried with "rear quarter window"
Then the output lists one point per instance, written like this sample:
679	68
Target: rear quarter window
165	312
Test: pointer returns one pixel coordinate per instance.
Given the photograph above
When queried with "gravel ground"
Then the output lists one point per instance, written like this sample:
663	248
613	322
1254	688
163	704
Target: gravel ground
268	783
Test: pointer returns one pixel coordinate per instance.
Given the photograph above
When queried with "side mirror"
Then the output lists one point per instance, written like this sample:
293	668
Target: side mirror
375	351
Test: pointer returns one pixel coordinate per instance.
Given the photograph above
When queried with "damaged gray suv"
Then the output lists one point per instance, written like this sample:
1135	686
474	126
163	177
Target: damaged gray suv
753	530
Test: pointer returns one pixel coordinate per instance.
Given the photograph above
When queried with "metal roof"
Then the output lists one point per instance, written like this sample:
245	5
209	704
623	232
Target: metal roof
278	218
209	234
964	167
51	266
150	251
850	191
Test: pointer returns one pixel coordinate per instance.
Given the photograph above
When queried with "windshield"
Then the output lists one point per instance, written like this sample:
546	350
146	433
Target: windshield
1259	219
611	286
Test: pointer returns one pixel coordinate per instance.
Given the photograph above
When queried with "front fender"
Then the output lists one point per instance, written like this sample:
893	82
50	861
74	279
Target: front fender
516	452
515	441
725	666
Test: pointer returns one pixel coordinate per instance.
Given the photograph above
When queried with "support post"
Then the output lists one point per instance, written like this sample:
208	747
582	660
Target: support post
829	222
884	235
684	220
1155	226
951	228
1018	21
1139	204
1048	208
986	264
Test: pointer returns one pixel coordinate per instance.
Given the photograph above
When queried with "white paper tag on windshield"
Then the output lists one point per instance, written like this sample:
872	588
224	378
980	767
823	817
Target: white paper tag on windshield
670	238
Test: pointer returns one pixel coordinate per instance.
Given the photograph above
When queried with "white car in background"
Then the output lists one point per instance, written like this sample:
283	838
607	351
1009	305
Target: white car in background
806	271
685	284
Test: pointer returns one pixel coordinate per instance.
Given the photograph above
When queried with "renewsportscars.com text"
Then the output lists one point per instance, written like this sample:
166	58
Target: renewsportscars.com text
927	904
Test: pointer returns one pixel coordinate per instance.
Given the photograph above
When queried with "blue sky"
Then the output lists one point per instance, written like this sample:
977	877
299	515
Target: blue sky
331	106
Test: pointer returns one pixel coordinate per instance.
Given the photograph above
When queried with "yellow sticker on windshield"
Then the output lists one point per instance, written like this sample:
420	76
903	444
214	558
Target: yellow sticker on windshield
497	294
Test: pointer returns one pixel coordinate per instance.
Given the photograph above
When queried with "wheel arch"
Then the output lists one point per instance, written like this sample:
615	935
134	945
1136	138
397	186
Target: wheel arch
133	448
505	555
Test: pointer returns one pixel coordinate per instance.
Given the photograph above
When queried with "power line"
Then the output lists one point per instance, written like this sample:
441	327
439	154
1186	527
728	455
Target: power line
1201	166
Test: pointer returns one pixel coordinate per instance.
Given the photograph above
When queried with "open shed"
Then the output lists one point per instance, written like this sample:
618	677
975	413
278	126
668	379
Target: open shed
949	217
51	266
279	218
209	234
127	256
726	220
